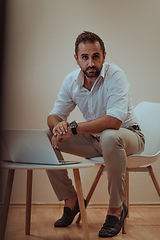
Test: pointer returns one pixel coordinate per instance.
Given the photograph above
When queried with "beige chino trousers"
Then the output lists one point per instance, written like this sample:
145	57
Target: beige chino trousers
114	146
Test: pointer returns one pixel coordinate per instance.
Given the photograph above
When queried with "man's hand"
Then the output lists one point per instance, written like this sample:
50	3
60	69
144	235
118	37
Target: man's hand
60	134
55	141
60	129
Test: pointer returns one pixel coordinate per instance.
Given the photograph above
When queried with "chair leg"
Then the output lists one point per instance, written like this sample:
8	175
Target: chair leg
92	189
155	182
6	202
28	201
126	200
127	191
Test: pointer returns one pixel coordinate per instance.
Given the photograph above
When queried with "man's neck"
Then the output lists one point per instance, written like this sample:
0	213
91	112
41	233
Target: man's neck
88	82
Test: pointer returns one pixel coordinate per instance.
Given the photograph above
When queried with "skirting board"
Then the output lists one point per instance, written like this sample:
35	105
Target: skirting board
91	205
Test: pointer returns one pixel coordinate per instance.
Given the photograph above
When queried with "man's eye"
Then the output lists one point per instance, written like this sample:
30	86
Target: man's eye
85	57
96	56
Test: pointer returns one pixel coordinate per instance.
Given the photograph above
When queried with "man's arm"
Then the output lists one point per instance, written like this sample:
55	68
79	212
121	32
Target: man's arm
98	125
57	125
53	120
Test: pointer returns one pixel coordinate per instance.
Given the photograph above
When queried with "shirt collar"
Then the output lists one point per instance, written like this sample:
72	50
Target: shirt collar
80	76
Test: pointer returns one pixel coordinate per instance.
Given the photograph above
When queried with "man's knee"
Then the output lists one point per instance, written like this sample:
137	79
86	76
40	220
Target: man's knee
111	140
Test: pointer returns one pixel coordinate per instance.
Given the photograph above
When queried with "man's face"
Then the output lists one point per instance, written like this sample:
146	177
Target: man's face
90	59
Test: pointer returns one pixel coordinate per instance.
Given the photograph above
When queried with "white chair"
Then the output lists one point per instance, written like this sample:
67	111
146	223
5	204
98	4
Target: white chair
148	115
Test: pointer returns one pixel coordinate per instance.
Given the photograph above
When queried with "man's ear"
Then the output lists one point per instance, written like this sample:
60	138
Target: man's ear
76	58
104	57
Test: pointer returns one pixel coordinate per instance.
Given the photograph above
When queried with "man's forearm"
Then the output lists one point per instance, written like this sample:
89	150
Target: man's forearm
53	120
98	125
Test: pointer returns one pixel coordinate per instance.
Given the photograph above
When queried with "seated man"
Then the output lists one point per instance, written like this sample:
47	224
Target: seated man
102	93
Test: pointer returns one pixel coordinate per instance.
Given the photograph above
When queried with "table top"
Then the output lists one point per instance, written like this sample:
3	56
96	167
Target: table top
10	165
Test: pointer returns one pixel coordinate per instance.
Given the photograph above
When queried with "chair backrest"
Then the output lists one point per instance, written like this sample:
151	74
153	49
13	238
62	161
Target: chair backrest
148	115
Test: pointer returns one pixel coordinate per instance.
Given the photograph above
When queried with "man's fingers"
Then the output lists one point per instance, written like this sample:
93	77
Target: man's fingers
55	147
54	142
61	128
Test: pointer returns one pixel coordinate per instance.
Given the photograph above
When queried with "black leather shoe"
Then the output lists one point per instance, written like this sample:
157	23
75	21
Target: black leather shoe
113	225
68	216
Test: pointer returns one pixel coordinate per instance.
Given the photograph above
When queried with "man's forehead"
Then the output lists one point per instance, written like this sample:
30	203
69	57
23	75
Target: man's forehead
89	46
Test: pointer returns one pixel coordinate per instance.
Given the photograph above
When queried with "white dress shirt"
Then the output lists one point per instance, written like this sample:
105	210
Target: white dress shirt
110	95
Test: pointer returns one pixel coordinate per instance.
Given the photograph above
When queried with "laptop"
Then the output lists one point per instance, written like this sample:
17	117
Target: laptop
30	147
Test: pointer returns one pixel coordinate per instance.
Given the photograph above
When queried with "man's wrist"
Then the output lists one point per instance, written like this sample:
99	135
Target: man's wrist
73	125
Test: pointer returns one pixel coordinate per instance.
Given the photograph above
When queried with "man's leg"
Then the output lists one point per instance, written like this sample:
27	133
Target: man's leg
79	145
116	146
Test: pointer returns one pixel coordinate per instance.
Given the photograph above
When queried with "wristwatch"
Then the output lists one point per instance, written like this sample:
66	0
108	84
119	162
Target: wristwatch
73	126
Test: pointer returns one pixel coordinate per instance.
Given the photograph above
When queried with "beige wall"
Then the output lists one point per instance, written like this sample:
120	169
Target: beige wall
40	38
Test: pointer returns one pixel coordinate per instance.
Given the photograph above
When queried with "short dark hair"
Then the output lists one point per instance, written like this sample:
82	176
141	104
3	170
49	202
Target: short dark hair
88	37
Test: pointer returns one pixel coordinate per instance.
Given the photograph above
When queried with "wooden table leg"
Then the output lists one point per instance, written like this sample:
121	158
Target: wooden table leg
28	201
92	189
81	203
6	202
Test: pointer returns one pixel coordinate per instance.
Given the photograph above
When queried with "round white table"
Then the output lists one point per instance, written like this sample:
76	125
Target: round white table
30	167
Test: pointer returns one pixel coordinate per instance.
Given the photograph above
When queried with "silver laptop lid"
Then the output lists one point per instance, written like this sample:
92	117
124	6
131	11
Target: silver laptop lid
29	146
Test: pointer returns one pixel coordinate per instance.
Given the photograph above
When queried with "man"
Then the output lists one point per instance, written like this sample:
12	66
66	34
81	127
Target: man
102	93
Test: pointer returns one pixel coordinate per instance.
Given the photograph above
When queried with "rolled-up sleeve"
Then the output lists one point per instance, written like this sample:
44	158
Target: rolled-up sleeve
117	96
64	104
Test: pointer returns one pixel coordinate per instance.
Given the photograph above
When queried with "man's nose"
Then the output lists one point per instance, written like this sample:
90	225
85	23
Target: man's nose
91	62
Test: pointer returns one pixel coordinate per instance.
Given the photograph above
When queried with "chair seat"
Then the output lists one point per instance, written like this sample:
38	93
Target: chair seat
97	160
133	161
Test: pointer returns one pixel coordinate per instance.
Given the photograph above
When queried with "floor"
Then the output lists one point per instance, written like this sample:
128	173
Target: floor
142	224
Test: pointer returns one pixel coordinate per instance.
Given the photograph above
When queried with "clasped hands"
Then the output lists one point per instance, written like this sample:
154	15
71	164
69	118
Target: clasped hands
61	132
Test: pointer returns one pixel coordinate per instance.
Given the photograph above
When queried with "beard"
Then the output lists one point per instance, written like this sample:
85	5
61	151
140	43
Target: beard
91	74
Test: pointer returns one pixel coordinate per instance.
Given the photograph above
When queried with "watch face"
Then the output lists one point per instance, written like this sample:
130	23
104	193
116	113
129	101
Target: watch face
73	125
